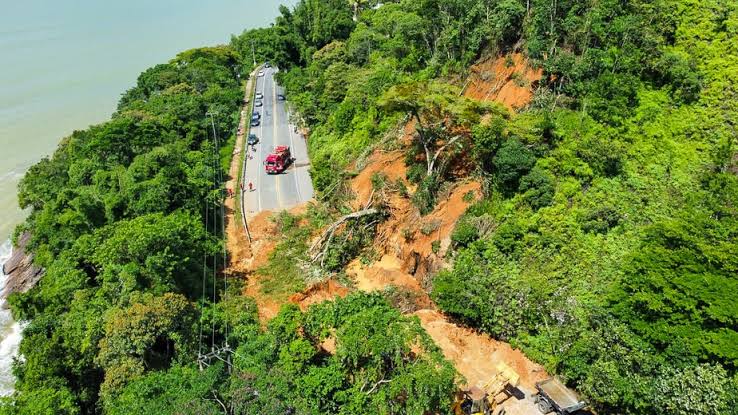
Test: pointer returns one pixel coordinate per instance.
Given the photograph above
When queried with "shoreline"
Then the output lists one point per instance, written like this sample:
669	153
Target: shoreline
10	330
19	272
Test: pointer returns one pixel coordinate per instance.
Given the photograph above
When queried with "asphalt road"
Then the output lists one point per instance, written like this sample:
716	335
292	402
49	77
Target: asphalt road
293	186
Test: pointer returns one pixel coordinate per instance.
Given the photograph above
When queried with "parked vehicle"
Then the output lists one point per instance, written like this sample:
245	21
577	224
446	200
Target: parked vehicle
278	160
259	95
253	139
554	396
261	73
256	115
258	103
280	97
255	122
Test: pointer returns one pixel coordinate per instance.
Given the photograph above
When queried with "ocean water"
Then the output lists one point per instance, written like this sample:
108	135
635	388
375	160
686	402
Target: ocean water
64	64
63	67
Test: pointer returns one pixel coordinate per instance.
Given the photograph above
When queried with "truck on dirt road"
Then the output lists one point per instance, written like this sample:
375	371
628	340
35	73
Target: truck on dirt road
278	160
554	396
483	399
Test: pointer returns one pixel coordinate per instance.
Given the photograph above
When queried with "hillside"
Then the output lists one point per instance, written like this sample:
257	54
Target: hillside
600	183
550	185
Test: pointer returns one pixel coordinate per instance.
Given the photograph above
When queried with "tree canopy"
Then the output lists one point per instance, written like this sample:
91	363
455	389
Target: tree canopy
604	245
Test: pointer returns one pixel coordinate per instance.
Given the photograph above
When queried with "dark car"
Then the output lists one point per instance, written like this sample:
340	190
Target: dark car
267	65
253	139
255	122
258	103
280	97
256	116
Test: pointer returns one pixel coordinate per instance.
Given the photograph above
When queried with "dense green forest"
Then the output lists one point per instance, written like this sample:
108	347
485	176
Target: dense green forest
606	246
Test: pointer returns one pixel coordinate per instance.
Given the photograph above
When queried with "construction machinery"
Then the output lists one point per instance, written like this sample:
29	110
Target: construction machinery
483	399
278	160
554	396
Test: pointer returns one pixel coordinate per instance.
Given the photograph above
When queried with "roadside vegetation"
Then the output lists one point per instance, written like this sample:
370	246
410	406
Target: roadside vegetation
605	244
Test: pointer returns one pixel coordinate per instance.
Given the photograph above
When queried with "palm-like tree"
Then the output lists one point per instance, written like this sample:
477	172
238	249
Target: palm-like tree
358	5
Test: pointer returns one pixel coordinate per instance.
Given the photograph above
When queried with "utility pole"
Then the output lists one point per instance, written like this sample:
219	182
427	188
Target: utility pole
212	123
253	52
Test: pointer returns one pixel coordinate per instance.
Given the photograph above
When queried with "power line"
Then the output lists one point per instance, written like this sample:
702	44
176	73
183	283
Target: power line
216	187
204	273
222	224
217	352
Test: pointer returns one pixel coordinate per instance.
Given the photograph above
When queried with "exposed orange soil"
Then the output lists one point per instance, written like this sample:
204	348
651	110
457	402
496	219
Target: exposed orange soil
476	355
406	234
234	227
379	275
508	80
247	258
405	242
391	164
323	291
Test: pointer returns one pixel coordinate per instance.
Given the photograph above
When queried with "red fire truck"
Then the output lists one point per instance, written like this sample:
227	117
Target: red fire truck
278	160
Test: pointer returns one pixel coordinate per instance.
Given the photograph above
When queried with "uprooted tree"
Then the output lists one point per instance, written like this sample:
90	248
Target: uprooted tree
443	121
443	118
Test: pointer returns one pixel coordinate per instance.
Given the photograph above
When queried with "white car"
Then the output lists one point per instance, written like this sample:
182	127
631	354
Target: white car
259	95
261	73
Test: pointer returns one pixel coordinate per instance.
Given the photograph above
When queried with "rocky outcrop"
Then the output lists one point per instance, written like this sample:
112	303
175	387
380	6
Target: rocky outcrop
22	274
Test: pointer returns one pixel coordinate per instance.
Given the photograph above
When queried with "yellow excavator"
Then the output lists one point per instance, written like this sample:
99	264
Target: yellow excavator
483	399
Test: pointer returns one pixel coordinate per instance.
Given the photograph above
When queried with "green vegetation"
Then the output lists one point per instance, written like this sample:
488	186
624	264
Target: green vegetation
327	360
119	223
605	245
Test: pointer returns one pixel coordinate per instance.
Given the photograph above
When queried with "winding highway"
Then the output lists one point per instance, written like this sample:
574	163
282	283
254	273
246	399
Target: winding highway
291	187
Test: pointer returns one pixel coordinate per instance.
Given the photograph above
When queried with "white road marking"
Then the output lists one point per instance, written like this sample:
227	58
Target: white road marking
261	134
274	137
294	167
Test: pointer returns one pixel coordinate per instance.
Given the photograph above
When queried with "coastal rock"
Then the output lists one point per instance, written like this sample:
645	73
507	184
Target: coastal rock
22	274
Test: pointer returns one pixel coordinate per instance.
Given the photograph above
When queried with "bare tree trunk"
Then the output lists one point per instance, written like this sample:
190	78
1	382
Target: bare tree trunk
428	159
432	161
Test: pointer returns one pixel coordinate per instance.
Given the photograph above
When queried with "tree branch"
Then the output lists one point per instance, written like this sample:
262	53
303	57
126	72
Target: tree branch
222	405
432	161
376	385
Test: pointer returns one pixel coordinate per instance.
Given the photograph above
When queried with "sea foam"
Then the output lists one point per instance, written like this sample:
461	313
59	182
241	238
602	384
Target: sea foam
10	331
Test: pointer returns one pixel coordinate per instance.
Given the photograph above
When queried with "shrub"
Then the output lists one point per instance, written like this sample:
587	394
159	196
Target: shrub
464	233
430	226
538	186
424	197
601	220
512	162
436	246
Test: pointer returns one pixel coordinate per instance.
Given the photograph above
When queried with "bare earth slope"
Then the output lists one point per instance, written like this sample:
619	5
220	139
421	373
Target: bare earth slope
412	247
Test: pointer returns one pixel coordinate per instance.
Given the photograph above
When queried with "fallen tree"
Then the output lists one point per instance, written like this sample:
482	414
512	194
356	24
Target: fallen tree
320	247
